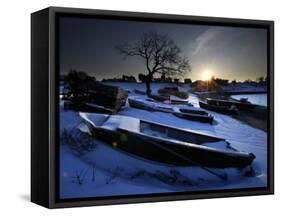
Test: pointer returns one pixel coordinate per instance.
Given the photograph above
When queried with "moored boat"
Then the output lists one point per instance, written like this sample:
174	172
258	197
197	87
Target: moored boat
164	98
173	91
242	104
160	98
224	109
170	99
164	144
189	114
177	100
88	94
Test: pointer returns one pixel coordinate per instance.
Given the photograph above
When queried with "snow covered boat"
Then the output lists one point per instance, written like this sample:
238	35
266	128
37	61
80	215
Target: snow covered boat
240	104
160	98
167	99
164	144
170	99
169	91
86	93
177	100
228	110
189	114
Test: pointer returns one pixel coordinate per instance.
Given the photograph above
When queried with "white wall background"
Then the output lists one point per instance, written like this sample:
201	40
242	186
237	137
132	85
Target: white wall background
15	106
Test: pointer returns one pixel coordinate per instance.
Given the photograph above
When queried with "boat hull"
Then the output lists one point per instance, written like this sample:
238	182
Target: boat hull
195	117
219	109
232	102
168	152
192	115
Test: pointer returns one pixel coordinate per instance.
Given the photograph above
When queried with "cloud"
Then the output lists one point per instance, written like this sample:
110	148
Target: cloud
203	41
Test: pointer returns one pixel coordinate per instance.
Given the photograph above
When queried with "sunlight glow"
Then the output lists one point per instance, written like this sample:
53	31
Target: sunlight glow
206	75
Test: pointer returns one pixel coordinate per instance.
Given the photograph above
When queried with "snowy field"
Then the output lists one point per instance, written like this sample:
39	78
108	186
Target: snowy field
103	171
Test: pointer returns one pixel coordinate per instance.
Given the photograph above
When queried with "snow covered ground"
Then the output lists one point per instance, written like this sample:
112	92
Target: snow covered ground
104	171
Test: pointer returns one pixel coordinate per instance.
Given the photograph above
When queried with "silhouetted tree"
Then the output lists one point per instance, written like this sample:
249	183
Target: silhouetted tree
187	81
261	79
219	81
142	77
128	78
77	81
161	55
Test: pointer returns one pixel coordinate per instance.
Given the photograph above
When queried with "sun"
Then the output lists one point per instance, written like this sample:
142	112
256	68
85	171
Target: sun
206	75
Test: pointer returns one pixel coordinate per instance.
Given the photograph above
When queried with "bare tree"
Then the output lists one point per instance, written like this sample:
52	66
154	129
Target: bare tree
161	55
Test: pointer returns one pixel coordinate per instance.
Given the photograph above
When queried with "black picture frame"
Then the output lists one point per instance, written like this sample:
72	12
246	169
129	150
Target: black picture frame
44	106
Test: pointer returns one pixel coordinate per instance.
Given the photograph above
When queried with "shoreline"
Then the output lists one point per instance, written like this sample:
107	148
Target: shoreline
256	117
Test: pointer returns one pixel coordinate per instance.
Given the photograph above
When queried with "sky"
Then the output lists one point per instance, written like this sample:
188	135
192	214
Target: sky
234	53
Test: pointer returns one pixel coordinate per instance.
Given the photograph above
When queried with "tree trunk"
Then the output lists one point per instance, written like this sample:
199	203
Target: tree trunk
148	82
148	89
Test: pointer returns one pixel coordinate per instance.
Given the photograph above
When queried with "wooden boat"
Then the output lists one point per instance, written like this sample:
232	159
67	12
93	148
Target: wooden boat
160	98
170	99
189	114
164	144
176	100
240	104
228	110
92	92
169	91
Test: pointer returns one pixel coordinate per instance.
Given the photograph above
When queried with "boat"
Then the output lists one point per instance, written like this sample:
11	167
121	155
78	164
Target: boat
189	114
242	104
176	100
169	91
98	94
170	99
160	98
164	144
224	109
164	98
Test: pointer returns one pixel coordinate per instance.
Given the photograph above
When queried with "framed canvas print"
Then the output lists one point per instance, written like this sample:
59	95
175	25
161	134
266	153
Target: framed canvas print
139	107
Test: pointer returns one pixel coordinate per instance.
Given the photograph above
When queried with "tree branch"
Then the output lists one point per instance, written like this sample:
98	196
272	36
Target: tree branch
160	53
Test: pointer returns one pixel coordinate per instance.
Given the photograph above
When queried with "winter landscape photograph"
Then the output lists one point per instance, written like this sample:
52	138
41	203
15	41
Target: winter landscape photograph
152	108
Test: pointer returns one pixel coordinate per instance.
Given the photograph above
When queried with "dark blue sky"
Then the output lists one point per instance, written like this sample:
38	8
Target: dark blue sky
228	52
